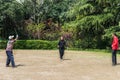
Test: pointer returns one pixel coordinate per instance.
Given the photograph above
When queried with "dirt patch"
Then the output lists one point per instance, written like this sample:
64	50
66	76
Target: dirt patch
46	65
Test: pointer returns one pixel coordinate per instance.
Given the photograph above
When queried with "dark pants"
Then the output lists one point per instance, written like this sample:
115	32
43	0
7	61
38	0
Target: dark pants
61	51
10	58
114	58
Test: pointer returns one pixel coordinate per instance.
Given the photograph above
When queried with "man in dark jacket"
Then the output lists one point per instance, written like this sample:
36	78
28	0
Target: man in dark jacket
61	46
115	44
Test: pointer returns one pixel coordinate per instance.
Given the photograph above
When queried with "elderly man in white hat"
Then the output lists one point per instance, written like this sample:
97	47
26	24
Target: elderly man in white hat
9	52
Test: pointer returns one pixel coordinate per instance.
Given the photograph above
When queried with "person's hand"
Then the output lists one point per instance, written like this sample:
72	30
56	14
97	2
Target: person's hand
17	36
118	48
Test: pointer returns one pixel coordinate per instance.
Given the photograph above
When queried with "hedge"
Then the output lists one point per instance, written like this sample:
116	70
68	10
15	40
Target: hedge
43	44
31	44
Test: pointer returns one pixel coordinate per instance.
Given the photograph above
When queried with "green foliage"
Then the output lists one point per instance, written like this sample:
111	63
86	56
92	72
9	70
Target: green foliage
44	31
50	36
3	44
89	21
11	15
86	44
32	44
86	9
107	37
35	44
34	30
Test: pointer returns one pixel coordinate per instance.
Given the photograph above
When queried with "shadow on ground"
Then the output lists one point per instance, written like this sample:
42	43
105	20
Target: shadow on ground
66	59
18	65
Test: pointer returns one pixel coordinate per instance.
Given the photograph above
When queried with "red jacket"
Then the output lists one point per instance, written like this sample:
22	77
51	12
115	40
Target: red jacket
115	43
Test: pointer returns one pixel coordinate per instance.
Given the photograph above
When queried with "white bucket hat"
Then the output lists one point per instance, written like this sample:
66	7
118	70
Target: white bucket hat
11	37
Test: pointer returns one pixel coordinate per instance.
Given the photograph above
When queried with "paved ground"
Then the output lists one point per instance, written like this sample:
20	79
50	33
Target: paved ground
45	65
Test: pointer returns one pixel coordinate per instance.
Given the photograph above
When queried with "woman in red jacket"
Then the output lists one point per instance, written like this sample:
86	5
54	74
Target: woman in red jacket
114	46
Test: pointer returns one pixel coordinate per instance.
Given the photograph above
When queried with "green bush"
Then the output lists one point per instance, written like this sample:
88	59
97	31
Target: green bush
107	37
43	44
3	44
31	44
85	44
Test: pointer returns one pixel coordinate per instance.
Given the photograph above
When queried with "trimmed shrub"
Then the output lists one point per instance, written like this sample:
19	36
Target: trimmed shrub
31	44
3	44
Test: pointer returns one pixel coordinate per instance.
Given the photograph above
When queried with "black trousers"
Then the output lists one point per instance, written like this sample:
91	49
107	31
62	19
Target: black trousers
114	58
61	51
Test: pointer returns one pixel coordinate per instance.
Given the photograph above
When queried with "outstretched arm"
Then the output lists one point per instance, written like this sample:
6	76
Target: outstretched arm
16	37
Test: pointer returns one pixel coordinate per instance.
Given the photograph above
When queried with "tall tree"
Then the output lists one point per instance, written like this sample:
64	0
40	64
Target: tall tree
10	16
92	17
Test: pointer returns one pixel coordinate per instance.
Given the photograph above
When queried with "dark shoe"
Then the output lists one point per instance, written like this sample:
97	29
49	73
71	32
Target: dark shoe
7	66
14	66
61	58
113	64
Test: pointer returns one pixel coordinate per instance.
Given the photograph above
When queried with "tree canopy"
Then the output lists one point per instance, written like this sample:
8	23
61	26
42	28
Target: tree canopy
90	22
